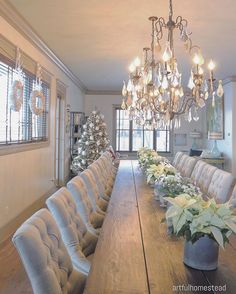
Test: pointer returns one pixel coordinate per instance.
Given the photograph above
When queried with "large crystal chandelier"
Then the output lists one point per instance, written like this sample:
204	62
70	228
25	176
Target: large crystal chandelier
154	94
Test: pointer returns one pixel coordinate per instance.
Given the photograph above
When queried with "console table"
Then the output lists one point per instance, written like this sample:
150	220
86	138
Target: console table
218	161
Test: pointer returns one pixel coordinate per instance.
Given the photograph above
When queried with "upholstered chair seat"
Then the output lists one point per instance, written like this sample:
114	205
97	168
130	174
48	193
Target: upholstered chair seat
205	177
177	157
90	213
198	168
188	166
221	186
79	240
45	257
92	189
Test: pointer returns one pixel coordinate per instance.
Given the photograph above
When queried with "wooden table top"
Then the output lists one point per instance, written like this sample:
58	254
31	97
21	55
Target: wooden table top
134	253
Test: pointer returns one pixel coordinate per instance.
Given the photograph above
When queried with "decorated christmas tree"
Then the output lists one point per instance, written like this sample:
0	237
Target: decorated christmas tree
93	142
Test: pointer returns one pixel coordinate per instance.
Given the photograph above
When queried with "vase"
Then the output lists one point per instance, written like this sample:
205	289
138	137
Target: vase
157	192
202	255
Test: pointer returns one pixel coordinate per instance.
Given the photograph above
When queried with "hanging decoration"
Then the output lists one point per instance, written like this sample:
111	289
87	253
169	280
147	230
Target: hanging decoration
37	98
17	86
154	94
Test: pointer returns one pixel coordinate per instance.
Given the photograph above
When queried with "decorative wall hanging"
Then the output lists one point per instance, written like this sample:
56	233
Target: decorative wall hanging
215	119
17	86
37	98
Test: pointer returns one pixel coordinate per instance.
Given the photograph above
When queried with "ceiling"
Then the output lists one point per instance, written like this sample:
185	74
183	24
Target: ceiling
97	39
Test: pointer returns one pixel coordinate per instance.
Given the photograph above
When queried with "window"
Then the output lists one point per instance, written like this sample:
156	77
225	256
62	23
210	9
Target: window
130	137
22	126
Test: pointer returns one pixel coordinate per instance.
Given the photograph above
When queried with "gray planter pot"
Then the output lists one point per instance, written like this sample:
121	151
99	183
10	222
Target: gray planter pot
156	191
202	255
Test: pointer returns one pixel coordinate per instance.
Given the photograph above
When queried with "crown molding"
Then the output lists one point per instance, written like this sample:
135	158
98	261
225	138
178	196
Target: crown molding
231	79
9	13
102	92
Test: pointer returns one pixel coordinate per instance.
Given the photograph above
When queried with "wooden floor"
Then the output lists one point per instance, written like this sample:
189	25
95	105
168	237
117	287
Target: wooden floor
13	279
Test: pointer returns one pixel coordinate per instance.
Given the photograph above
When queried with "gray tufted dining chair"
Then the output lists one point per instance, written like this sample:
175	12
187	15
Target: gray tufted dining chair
221	186
91	214
99	180
177	158
45	257
79	240
93	191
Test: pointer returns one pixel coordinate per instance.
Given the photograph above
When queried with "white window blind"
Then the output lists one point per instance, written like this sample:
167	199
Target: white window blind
23	126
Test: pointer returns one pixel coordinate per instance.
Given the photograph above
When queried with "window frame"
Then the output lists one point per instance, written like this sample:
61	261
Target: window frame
131	151
21	146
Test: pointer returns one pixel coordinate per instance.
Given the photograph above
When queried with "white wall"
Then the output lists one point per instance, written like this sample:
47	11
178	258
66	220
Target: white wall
105	104
26	176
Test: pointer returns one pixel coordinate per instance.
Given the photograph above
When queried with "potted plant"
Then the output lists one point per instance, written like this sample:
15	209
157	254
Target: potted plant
154	172
204	224
174	185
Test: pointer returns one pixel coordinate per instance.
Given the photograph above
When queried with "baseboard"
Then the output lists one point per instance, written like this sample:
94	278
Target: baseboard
7	230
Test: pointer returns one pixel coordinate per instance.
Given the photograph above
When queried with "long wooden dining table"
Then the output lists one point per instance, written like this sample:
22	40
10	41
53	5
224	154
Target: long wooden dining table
135	255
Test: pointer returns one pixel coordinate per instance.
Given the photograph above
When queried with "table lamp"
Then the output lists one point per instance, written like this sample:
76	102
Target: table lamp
195	135
215	136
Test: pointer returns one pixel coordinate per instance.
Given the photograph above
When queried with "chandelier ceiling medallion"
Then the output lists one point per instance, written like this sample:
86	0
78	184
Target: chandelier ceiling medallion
154	94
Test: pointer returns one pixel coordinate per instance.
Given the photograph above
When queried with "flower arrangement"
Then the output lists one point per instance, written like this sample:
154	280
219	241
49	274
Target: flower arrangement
174	185
147	158
155	172
194	217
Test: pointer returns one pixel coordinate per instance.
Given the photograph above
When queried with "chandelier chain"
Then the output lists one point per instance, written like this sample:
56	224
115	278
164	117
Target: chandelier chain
171	9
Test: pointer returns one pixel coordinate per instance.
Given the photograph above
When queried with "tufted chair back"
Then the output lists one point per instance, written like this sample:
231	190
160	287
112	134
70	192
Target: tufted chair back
188	166
92	189
205	177
45	257
180	163
79	241
109	175
108	165
233	197
99	180
108	181
195	176
177	157
87	210
221	186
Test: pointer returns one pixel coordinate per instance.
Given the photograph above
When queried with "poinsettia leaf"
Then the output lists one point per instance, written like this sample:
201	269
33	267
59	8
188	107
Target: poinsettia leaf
218	236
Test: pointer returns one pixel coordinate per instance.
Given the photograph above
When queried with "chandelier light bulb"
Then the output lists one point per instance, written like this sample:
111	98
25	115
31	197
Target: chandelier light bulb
137	61
211	65
200	71
196	59
132	68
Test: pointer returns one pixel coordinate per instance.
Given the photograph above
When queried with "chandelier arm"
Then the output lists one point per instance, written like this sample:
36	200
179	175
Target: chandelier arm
159	25
187	103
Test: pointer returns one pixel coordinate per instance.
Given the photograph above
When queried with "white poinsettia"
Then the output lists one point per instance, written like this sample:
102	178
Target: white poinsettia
155	172
194	217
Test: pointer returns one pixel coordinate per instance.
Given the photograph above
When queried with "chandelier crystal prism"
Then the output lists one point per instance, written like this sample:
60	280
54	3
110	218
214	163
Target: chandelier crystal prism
154	94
